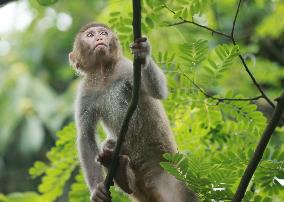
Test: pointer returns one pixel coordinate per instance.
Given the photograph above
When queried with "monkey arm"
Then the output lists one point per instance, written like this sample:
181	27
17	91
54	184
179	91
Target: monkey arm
88	148
154	80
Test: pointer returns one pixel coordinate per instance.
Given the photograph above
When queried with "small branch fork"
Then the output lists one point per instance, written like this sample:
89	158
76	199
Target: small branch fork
232	38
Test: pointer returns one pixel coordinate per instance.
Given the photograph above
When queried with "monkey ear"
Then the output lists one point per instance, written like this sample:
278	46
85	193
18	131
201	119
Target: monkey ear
73	60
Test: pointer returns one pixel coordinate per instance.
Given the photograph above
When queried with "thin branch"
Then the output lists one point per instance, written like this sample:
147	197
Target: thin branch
234	23
216	98
257	156
183	21
231	37
202	26
135	96
256	83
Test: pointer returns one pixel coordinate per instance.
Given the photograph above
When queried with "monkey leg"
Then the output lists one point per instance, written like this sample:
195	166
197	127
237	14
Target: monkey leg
124	177
159	186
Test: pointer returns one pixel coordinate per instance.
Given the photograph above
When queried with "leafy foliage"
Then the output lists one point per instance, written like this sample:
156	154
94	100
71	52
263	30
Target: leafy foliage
63	163
211	177
218	63
79	191
187	9
193	54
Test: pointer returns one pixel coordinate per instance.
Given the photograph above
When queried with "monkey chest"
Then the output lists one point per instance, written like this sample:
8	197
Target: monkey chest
114	103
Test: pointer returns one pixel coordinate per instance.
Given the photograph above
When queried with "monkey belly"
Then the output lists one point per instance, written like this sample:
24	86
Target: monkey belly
149	135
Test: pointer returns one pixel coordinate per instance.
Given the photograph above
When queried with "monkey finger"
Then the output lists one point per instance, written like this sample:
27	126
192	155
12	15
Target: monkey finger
104	158
102	197
99	197
135	46
102	193
107	151
142	39
139	51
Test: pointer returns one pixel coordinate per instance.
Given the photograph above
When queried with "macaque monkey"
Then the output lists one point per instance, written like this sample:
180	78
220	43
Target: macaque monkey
104	95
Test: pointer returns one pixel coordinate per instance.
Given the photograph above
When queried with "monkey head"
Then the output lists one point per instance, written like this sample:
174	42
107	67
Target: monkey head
95	45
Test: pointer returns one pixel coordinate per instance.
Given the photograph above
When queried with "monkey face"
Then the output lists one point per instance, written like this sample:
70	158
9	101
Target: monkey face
97	41
95	45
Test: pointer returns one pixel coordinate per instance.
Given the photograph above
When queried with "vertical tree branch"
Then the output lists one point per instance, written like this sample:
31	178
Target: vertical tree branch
135	96
259	150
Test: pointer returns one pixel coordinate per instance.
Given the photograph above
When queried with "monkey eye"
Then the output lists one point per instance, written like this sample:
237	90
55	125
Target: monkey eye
90	35
104	33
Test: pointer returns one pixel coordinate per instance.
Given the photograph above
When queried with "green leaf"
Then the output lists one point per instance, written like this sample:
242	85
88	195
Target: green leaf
63	161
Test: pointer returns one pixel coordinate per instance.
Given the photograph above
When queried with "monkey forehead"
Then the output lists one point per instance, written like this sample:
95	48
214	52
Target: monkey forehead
97	29
93	24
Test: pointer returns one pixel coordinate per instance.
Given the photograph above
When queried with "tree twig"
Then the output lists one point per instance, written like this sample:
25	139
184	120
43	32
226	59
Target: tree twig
257	156
135	96
192	22
256	83
232	38
234	22
199	25
213	97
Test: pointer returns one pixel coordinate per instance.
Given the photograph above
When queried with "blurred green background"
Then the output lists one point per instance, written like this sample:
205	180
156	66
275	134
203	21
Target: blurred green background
37	85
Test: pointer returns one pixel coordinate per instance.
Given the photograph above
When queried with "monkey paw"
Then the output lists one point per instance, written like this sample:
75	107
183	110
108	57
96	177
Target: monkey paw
104	158
100	194
140	48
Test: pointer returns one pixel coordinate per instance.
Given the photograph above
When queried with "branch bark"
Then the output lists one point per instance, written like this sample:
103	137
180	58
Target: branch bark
135	96
260	149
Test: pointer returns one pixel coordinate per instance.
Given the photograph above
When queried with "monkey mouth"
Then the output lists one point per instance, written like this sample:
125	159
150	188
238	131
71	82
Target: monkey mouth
100	44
